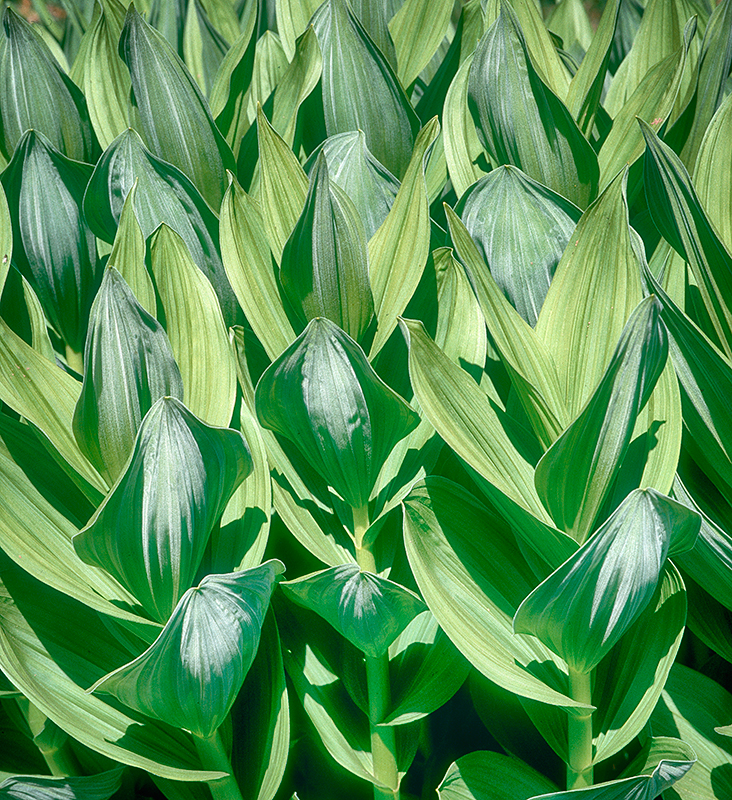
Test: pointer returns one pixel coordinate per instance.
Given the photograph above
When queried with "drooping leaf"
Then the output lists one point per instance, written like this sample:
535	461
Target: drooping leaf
128	366
491	776
368	610
52	243
190	675
583	608
184	133
521	229
86	787
521	121
152	529
31	75
324	396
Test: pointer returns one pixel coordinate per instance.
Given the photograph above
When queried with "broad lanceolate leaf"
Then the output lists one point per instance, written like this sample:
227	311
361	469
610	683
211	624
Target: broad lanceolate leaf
175	117
575	475
190	675
521	229
398	250
324	396
324	268
417	30
491	776
128	366
163	194
31	76
52	243
87	787
152	528
677	213
521	121
368	610
583	608
196	328
473	578
360	90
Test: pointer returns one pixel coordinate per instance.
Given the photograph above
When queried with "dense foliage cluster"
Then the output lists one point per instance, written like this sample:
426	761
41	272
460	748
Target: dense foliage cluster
365	389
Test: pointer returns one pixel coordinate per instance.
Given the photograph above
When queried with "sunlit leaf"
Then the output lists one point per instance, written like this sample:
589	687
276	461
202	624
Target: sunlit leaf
491	776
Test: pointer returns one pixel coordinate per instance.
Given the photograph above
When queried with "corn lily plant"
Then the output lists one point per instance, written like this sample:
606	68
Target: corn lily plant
365	377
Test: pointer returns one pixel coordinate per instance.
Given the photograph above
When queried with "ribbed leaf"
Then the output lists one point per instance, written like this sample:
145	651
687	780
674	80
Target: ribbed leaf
87	787
678	215
174	116
360	90
473	577
152	528
398	250
6	238
575	475
30	76
204	47
521	229
251	270
190	675
52	243
521	121
368	610
293	18
491	776
163	194
196	329
324	266
570	22
417	30
583	608
128	366
323	395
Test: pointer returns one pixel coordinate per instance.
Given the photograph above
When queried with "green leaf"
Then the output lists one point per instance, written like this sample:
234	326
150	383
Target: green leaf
44	650
473	577
204	47
293	18
569	20
52	243
351	166
31	75
491	776
102	75
360	90
324	396
175	486
417	29
251	270
163	194
368	610
190	675
538	134
399	249
174	116
324	266
521	229
678	215
576	474
583	608
196	329
87	787
6	238
128	366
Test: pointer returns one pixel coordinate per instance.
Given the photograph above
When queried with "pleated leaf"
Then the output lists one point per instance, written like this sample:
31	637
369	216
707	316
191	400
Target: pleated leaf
30	77
324	396
473	578
521	121
678	215
190	675
174	116
6	238
204	47
485	775
153	527
360	89
52	243
196	328
583	608
521	229
87	787
163	194
128	366
368	610
417	29
575	475
324	268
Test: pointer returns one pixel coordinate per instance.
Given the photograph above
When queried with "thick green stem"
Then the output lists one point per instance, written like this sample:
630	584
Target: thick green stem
579	768
214	758
383	740
75	360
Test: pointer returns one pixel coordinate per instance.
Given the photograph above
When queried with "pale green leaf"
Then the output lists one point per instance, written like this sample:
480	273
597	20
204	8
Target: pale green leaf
417	29
6	238
293	17
87	787
569	20
204	46
491	776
